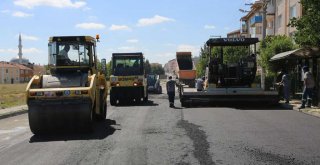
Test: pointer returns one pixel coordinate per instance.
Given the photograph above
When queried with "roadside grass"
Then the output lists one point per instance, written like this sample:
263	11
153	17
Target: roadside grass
12	95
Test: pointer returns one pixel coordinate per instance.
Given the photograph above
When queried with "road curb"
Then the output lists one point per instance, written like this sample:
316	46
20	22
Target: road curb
308	111
19	111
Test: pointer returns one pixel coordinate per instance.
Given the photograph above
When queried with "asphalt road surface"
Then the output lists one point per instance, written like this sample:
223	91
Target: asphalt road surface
153	133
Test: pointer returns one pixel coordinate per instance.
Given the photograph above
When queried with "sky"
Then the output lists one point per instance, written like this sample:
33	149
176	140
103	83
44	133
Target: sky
158	28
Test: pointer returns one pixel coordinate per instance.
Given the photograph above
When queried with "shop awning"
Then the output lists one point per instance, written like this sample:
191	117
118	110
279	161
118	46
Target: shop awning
285	55
296	54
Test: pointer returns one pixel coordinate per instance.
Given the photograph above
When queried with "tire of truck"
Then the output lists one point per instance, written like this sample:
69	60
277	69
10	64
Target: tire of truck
102	107
145	99
160	90
113	99
192	85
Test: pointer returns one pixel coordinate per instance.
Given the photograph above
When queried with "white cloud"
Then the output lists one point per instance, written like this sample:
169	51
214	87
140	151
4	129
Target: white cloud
86	9
24	51
119	27
21	14
154	20
90	26
5	11
249	1
127	48
52	3
189	48
133	41
209	27
27	37
167	54
31	50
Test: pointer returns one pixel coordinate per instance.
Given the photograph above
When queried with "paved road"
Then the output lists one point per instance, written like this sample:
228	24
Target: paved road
156	134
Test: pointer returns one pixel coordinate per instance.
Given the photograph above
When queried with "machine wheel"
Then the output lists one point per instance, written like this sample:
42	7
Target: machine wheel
160	90
34	123
185	104
103	107
113	100
145	99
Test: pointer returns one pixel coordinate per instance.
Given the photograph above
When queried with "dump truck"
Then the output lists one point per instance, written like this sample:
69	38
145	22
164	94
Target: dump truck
128	80
230	82
74	93
186	72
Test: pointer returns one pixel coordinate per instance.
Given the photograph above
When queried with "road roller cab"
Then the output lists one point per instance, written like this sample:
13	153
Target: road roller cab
74	92
128	80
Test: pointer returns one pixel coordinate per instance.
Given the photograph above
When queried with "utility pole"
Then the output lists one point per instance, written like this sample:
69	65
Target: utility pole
264	29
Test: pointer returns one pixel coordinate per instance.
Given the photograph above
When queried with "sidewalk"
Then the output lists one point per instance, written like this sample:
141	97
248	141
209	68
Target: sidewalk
13	111
295	104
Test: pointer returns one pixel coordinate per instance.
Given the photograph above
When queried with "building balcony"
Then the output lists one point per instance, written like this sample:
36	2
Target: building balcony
255	19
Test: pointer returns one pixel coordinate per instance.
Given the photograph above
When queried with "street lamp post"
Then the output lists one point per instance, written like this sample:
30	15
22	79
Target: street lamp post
264	29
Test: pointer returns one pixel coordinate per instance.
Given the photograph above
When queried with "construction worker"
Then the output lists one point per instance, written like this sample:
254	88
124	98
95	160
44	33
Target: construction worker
200	83
309	84
171	90
285	83
64	51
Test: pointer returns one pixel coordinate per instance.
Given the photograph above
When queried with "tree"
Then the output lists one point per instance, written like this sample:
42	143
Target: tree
109	70
147	67
273	45
203	60
308	25
157	69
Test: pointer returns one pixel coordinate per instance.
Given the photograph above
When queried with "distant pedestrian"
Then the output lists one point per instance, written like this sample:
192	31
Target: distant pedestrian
285	83
171	90
200	83
309	84
280	87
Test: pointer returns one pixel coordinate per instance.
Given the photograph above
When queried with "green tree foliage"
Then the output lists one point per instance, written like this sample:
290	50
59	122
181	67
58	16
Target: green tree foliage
203	60
109	70
157	69
232	54
271	46
147	67
308	25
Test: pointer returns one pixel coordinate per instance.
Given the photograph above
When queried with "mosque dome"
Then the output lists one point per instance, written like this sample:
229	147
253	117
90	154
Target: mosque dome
16	60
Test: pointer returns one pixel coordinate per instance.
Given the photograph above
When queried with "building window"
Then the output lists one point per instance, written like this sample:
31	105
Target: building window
6	70
270	24
259	30
279	21
293	11
271	3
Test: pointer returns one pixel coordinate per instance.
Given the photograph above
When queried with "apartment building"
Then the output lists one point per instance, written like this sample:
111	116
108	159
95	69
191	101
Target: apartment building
171	67
25	73
9	74
12	73
251	23
279	13
285	10
234	34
